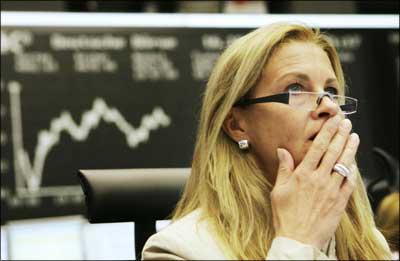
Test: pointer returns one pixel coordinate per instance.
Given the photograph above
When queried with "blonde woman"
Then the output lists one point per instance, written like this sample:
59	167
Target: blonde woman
274	173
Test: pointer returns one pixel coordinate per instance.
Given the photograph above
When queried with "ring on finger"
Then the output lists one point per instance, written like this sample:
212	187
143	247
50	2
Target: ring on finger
342	170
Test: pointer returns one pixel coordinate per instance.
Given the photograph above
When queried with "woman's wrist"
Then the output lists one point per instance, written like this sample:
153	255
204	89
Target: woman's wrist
301	239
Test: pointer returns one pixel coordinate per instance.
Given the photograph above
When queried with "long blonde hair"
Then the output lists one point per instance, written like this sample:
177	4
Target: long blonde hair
227	184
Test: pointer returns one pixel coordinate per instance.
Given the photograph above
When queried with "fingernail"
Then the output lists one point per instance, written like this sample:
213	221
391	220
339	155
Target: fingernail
337	119
354	138
280	154
345	124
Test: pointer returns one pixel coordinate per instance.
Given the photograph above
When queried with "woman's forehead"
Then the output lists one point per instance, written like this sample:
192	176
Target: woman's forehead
296	53
298	58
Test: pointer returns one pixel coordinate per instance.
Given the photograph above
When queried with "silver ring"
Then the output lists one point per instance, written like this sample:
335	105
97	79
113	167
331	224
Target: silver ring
342	169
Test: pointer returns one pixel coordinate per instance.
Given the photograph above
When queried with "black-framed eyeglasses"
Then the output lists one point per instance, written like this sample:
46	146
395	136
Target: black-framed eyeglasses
304	100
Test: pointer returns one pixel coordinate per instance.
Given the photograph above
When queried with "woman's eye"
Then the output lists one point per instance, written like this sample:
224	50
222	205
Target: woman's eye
331	90
296	87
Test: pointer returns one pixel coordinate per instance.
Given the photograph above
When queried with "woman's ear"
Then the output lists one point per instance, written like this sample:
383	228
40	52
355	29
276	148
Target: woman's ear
234	126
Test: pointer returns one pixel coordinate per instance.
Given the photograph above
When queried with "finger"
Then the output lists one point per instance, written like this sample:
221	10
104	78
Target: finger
286	165
350	183
347	158
336	147
320	143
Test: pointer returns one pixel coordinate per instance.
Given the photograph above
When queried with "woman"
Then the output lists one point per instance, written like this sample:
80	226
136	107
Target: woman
262	184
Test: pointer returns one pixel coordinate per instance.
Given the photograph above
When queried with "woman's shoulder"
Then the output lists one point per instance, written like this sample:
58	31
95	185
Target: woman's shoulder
186	238
183	227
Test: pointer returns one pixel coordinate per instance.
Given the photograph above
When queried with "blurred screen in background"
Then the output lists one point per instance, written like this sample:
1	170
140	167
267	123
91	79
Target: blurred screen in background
82	88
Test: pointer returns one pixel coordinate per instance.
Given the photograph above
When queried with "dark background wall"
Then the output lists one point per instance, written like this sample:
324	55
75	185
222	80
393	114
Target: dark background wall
46	84
280	6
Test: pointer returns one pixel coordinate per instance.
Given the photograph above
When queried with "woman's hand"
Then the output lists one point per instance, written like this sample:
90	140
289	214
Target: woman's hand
309	201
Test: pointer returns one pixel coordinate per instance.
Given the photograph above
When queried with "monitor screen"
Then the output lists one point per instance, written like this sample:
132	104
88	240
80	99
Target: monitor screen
40	239
4	245
111	241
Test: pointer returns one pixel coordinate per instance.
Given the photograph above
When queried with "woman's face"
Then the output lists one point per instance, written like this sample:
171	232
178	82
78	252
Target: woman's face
299	66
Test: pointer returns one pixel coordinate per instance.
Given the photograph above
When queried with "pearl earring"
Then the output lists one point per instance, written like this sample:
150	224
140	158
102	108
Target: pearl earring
243	144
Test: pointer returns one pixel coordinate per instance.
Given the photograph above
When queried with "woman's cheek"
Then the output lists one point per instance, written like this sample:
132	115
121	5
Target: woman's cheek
295	144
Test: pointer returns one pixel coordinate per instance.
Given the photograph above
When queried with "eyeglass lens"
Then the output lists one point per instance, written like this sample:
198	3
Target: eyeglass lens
308	101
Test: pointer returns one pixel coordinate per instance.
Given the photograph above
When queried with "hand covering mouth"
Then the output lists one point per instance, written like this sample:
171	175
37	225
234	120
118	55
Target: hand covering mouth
313	136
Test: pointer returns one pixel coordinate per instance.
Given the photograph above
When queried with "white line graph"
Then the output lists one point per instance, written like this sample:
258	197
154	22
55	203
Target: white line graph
29	174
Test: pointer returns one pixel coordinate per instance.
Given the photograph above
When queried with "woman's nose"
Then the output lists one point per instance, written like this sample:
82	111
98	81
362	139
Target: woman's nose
325	108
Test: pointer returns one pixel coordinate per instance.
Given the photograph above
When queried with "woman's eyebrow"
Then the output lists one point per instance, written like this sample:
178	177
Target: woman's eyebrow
304	77
331	80
300	76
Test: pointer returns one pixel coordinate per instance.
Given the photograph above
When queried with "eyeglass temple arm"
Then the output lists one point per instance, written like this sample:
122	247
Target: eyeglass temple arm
281	98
